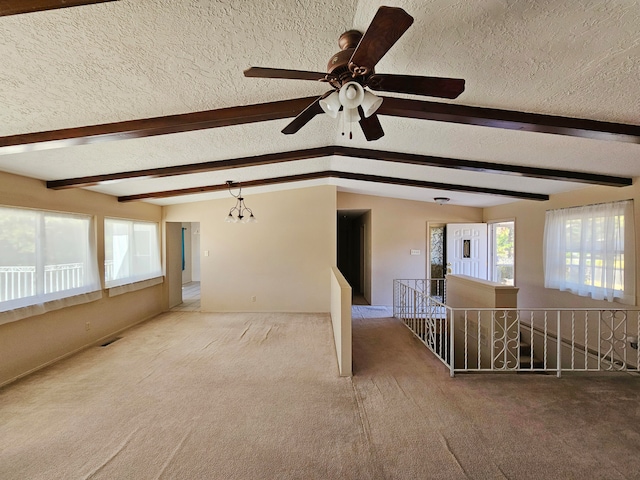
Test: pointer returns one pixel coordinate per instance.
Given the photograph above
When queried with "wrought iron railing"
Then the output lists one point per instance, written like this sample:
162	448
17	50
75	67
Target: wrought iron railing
519	339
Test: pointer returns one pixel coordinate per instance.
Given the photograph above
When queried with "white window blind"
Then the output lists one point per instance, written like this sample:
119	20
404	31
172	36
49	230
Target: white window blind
590	251
132	251
46	258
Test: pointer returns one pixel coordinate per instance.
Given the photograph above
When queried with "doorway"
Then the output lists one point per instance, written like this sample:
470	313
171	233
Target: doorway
190	267
183	265
354	252
459	248
467	249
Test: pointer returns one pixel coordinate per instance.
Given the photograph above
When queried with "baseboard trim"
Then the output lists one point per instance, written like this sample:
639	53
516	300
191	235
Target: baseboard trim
94	343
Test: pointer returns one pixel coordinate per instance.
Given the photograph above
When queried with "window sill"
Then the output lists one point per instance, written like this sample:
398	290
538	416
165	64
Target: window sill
40	308
132	287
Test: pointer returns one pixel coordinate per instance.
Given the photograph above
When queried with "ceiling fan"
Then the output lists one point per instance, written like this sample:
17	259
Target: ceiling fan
15	7
351	70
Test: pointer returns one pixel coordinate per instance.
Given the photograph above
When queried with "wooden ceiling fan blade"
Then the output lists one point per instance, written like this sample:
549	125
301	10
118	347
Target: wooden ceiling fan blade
387	26
370	126
417	85
306	115
261	72
15	7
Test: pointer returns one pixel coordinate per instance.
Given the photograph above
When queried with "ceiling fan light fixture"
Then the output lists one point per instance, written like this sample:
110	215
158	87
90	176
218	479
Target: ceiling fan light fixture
370	103
351	115
351	95
331	105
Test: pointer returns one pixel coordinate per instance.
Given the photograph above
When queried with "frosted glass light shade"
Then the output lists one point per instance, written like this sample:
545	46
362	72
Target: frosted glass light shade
370	103
351	95
331	105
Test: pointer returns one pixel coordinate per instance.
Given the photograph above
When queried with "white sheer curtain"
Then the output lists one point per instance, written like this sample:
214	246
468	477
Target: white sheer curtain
48	260
132	251
590	251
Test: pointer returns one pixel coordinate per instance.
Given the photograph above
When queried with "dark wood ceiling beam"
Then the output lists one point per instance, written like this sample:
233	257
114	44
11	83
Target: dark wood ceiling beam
485	167
14	7
441	186
413	159
418	109
511	120
216	188
343	175
148	127
191	168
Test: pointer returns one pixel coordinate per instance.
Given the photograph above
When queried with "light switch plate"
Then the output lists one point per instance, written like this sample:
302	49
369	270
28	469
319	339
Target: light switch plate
415	252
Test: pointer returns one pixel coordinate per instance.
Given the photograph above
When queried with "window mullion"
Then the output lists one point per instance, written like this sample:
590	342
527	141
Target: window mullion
131	247
40	252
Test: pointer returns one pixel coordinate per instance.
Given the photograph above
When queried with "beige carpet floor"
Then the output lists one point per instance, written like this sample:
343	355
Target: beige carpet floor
256	396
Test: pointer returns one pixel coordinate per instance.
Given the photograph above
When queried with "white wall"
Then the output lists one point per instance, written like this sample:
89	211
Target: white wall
34	342
529	229
282	260
341	321
173	263
397	227
195	252
188	262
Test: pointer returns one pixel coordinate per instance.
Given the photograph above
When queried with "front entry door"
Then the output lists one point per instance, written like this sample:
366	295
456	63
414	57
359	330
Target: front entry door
467	249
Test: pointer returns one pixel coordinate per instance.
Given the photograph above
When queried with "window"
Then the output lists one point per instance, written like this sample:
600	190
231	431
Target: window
502	246
45	257
436	251
590	251
132	251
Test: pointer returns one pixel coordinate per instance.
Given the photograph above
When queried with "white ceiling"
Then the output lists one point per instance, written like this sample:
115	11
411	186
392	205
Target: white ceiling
134	59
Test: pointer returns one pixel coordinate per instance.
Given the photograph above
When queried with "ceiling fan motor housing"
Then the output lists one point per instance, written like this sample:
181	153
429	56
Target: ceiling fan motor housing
338	65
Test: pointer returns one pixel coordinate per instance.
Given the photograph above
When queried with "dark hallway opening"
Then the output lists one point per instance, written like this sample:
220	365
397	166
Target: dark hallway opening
353	251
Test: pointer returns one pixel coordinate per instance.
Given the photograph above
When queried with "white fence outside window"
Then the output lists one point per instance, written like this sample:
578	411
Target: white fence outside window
20	282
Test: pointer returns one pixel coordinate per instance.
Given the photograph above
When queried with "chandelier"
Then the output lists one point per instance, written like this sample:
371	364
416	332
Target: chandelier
238	213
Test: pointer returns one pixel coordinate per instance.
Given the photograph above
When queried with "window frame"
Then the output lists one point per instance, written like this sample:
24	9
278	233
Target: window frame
492	253
133	281
42	300
601	227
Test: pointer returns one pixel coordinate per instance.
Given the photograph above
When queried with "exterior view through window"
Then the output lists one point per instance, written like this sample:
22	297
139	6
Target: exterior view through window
132	252
45	256
502	251
590	250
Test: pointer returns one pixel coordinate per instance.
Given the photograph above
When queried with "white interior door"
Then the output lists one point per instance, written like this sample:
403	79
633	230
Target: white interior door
467	249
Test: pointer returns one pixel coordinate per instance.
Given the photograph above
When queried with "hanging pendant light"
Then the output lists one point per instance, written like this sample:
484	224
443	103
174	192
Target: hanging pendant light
238	213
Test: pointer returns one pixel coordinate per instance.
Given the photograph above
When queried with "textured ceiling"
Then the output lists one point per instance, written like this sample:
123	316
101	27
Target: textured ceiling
134	59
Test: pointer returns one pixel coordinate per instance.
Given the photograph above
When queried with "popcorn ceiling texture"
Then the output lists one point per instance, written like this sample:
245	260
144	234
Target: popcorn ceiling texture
134	59
577	59
137	59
